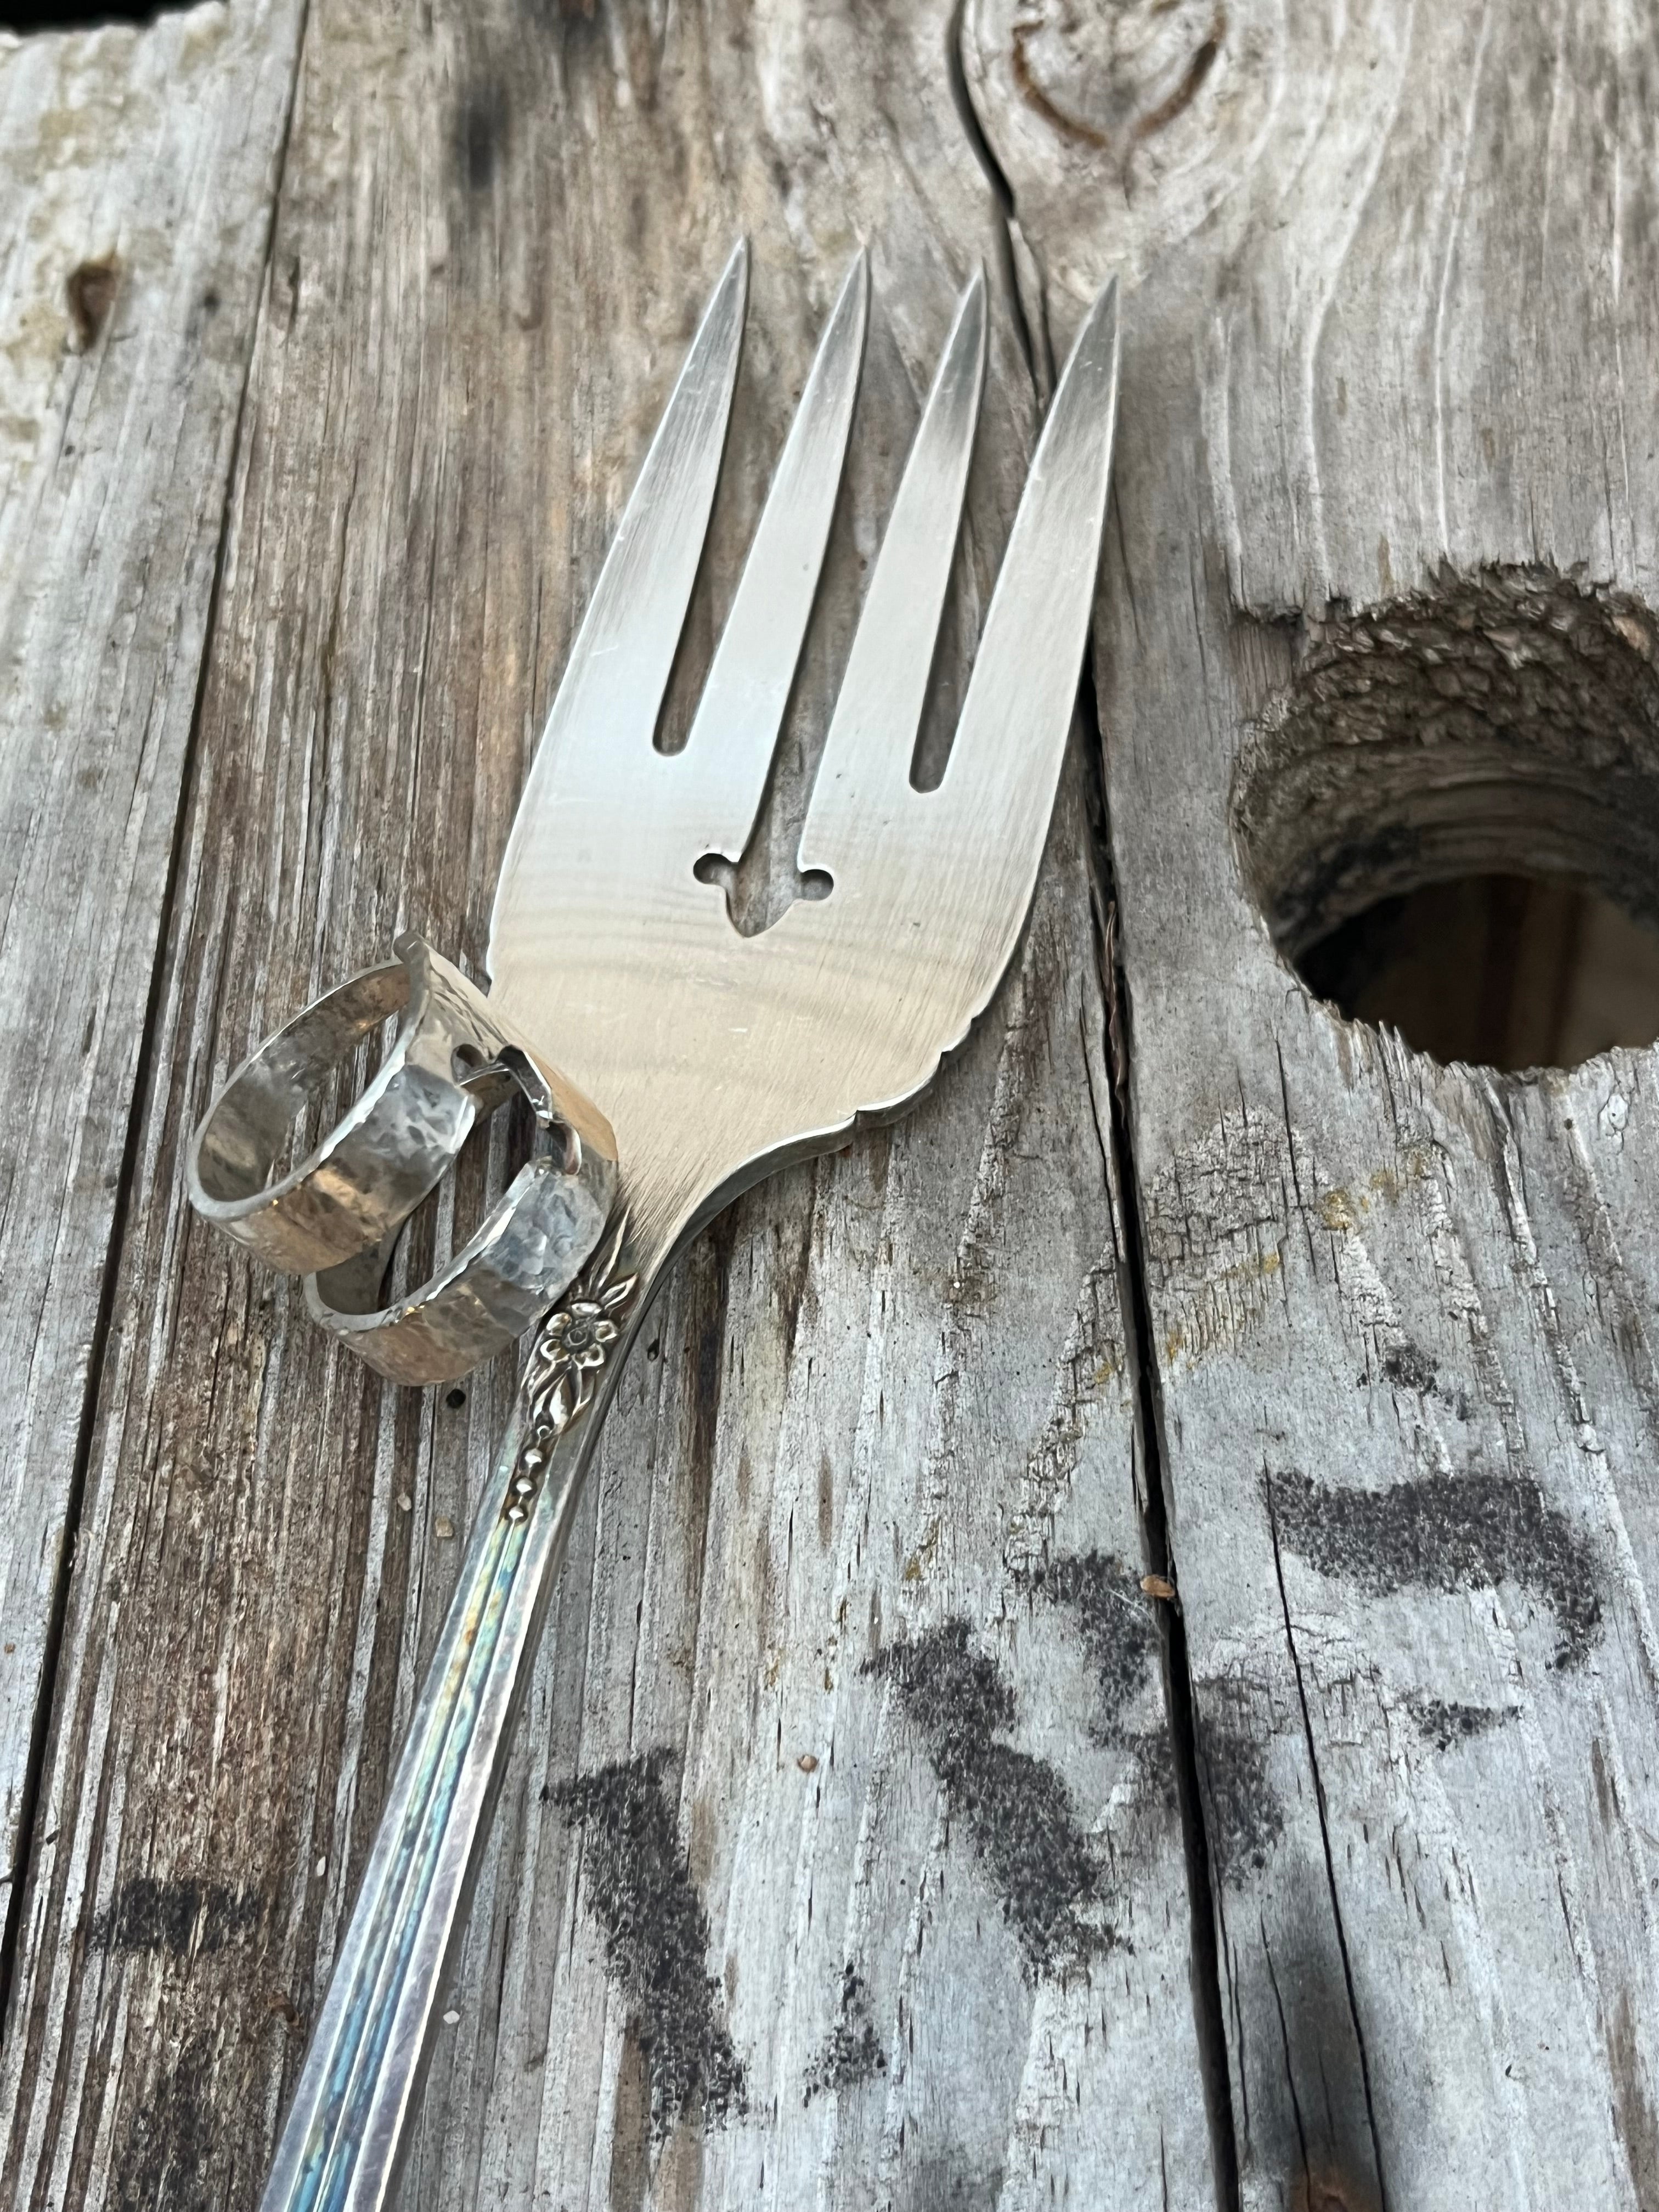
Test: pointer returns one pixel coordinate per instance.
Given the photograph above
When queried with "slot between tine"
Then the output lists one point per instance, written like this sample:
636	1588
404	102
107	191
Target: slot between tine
611	691
735	729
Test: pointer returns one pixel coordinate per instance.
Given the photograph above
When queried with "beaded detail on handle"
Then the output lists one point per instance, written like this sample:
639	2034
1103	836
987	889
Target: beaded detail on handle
571	1349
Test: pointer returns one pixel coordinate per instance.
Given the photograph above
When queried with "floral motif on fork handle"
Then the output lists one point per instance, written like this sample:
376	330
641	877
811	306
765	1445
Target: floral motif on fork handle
571	1348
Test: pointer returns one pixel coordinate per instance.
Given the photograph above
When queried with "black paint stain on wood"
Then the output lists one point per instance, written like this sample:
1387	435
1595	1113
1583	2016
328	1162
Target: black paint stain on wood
1119	1633
168	2152
1242	1817
176	1916
1154	1751
1017	1808
90	293
656	1937
1409	1367
1444	1723
1447	1533
850	2053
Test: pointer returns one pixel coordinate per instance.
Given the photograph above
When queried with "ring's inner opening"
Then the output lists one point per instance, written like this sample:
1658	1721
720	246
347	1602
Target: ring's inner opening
1451	819
318	1112
299	1084
497	1146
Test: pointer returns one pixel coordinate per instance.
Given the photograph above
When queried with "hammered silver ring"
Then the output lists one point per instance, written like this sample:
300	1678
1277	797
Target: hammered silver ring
530	1249
335	1218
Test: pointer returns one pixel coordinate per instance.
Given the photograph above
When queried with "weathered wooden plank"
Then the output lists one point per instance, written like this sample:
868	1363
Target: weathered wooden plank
137	180
1394	329
840	1857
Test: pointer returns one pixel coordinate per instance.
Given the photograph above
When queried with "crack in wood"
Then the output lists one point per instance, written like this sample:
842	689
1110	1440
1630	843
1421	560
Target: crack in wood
1374	2147
1203	1898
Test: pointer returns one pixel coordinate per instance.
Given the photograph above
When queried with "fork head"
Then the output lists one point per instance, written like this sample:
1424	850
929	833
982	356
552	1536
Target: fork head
716	1056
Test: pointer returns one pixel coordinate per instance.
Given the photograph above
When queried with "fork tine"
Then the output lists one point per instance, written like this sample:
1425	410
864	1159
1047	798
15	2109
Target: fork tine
865	768
741	709
994	801
1015	718
612	692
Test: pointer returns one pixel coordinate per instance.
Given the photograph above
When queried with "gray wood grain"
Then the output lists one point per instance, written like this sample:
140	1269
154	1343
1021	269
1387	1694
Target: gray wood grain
1393	345
840	1858
137	178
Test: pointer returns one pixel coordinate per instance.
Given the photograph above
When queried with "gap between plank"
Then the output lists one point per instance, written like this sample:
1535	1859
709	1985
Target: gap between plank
1208	2011
1330	1862
1209	2015
28	1809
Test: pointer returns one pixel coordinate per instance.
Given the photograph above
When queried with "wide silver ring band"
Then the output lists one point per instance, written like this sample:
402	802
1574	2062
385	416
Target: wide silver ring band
335	1217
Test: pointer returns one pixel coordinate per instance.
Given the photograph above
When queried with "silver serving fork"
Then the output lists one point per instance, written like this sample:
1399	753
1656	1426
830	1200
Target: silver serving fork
671	1062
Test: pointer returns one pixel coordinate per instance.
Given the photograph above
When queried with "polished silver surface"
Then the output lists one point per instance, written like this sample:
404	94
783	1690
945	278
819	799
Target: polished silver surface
712	1056
383	1156
716	1055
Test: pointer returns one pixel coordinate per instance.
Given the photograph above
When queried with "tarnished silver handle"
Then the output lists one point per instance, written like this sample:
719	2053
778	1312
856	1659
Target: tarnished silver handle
340	2150
335	1218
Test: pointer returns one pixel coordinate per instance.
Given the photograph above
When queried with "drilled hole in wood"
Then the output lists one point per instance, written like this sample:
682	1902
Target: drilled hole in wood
78	15
1450	818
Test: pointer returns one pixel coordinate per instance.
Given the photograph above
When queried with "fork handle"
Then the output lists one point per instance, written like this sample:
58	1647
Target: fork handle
342	2144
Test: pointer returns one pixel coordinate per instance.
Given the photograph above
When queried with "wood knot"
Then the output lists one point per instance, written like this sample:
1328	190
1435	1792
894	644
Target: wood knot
1159	109
1122	75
